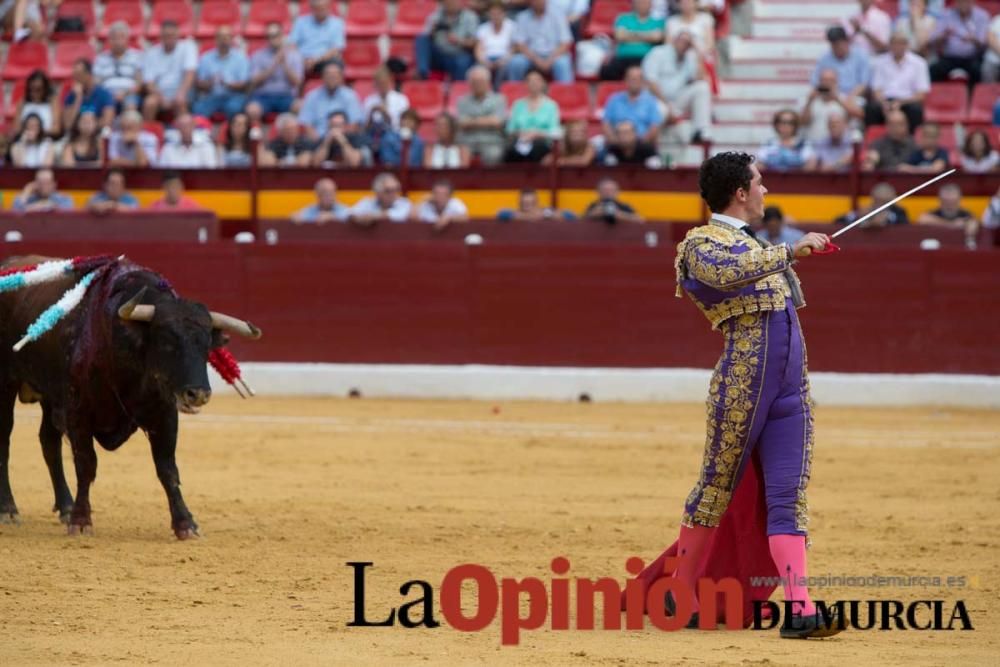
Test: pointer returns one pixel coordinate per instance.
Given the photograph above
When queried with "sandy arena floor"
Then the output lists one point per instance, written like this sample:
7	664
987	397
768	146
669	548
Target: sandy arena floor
287	491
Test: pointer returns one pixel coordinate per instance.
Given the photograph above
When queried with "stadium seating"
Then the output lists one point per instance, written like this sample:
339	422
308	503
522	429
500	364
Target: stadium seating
426	97
604	91
411	16
456	91
573	100
82	9
513	91
67	53
128	11
361	58
263	12
176	10
367	19
984	96
363	88
946	102
218	13
23	58
402	48
603	15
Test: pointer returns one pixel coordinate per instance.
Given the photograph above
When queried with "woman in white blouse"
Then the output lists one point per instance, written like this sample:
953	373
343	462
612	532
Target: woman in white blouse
32	149
700	24
494	39
978	157
444	153
917	26
40	99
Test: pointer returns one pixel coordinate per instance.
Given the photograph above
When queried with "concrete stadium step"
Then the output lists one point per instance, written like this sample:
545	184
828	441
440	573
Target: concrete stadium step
788	28
762	89
781	69
749	111
741	133
832	10
773	49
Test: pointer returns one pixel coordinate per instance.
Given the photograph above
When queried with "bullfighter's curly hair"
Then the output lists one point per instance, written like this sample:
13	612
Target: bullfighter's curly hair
721	176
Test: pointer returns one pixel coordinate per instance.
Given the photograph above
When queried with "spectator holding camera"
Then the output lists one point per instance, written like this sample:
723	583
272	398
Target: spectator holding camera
608	208
824	101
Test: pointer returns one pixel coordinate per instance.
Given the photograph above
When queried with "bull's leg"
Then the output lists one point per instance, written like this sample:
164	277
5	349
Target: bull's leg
51	440
8	509
163	442
85	462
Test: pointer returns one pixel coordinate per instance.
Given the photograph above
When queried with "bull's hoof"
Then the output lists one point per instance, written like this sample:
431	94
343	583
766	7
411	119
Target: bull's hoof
79	526
186	530
64	517
8	518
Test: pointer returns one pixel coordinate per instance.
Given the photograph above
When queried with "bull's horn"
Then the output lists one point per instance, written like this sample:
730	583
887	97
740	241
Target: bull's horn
237	326
133	310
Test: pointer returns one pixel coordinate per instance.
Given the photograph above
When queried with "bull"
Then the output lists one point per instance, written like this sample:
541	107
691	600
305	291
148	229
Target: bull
129	357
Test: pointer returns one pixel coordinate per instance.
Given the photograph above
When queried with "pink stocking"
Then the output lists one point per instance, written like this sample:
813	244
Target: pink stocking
789	554
691	548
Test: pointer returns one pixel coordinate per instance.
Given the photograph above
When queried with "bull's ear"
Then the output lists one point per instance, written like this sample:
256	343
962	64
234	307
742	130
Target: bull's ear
219	338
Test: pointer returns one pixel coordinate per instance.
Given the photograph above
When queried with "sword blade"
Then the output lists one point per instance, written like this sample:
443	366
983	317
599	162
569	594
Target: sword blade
885	206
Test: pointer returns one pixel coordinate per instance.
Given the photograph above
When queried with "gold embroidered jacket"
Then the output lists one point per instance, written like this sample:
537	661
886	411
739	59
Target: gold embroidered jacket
726	273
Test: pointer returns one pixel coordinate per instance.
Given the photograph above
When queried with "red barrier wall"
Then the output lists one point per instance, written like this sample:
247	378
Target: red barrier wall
569	304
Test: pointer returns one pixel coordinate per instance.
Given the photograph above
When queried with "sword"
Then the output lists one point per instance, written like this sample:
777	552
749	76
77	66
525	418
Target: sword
885	206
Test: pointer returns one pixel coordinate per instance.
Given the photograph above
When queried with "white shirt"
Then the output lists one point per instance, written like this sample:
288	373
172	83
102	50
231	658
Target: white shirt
702	29
197	155
427	213
875	22
395	103
398	212
900	80
735	223
167	70
496	44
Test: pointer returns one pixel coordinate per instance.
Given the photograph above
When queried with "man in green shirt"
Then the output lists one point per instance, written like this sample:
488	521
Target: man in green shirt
636	32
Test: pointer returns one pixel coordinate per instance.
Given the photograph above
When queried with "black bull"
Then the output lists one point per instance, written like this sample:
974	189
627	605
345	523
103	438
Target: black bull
127	358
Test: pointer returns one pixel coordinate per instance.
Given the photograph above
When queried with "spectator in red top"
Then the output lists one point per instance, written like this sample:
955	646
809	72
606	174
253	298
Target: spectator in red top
173	195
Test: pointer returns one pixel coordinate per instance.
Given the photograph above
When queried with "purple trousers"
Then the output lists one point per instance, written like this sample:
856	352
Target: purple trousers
758	401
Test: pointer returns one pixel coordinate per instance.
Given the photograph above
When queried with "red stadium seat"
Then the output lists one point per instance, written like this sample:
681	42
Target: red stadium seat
263	12
367	19
573	100
176	10
66	53
361	58
128	11
76	9
426	97
873	133
513	91
363	88
311	85
403	49
604	91
603	15
946	102
218	13
154	128
984	96
411	16
23	58
456	91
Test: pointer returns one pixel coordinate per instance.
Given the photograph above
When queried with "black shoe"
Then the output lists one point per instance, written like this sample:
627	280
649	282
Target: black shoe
812	626
671	608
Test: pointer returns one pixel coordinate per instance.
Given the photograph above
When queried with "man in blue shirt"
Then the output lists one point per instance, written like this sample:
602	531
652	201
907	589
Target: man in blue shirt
320	37
40	195
87	95
326	209
113	197
332	96
222	78
636	105
853	69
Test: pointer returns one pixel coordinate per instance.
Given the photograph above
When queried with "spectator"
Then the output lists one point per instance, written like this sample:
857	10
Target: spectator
869	29
222	78
340	146
275	75
852	67
495	41
835	152
529	209
380	142
481	114
113	196
326	209
41	195
131	145
574	11
787	151
542	42
960	38
41	100
950	213
332	96
448	41
674	74
608	207
290	148
119	69
978	157
991	216
890	150
991	61
386	204
386	98
929	157
441	208
775	230
935	7
86	95
168	70
636	105
445	153
824	101
628	149
23	19
700	24
173	198
237	146
409	132
320	37
533	123
882	194
900	80
191	150
32	149
636	33
575	149
84	148
917	26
